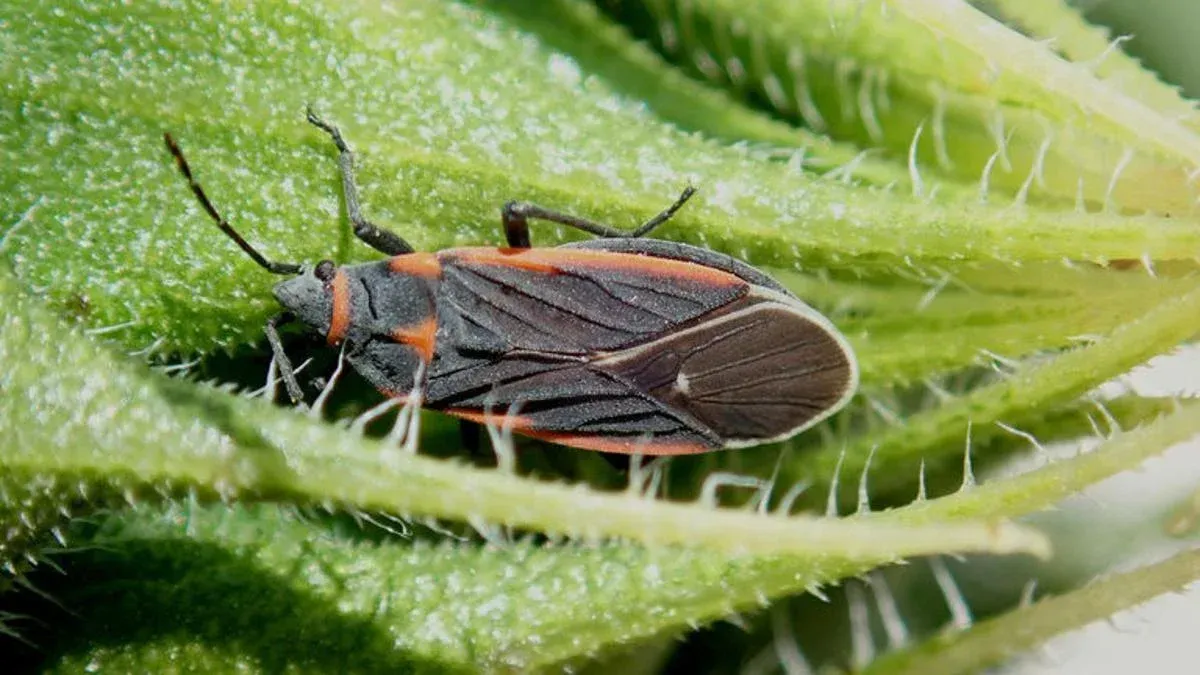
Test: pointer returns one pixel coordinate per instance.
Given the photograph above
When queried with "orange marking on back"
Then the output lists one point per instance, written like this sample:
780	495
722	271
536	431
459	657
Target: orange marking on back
422	337
423	265
516	422
339	321
554	260
508	257
625	446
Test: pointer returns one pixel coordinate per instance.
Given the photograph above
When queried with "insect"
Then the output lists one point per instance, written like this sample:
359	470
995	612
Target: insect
620	344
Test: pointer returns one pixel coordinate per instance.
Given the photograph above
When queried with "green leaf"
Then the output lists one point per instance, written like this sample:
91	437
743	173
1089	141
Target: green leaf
387	606
603	594
1042	488
392	606
942	80
632	69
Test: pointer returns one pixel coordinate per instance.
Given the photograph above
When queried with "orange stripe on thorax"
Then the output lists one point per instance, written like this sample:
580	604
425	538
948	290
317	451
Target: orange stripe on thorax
554	260
339	321
422	337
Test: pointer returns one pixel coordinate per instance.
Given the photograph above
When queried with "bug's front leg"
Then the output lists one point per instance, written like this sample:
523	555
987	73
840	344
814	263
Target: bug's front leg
286	372
516	215
372	235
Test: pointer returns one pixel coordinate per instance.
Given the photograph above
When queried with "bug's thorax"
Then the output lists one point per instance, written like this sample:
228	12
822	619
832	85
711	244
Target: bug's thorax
358	304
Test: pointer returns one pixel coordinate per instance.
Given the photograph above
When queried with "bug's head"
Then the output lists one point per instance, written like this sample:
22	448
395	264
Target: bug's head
314	297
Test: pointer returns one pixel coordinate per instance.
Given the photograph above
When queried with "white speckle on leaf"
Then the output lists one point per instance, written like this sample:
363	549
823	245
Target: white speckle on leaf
564	70
722	195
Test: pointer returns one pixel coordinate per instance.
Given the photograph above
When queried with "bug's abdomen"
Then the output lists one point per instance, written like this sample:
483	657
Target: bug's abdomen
519	331
568	401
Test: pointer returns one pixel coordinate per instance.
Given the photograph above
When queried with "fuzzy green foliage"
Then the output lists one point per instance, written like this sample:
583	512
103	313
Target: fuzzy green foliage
199	528
944	82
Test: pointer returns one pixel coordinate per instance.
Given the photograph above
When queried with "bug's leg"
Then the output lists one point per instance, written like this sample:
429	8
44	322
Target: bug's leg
664	215
286	372
516	216
516	227
372	235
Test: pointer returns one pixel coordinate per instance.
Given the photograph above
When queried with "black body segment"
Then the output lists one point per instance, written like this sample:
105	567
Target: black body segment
560	301
380	315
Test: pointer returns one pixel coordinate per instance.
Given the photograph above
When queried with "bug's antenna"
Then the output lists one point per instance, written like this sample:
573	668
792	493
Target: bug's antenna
269	265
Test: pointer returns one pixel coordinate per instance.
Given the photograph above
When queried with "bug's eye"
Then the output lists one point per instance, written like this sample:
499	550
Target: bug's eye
324	270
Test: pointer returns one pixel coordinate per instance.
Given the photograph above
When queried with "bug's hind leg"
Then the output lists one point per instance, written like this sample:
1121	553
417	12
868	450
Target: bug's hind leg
516	216
372	235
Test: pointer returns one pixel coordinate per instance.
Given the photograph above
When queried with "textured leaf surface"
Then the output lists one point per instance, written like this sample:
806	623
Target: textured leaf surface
1097	48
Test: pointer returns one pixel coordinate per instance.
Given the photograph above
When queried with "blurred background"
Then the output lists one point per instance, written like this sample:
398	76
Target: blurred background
1165	35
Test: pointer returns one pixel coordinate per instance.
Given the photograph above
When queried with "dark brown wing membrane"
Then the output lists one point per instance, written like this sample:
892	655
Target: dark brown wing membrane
759	372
